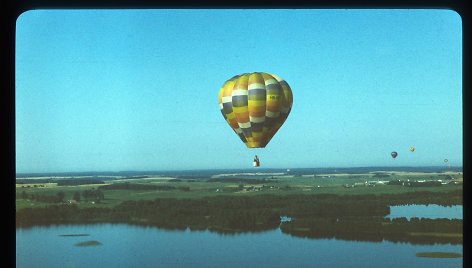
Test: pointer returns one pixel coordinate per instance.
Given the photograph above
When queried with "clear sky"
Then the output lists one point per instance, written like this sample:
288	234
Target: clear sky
114	90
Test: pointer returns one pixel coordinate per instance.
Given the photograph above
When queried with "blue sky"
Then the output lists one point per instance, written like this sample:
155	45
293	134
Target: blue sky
113	90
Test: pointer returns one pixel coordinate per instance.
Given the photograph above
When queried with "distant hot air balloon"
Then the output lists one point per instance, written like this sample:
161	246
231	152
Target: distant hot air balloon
255	105
394	154
412	149
447	163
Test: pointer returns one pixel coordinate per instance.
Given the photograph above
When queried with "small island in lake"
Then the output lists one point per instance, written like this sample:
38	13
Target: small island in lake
438	255
74	235
88	243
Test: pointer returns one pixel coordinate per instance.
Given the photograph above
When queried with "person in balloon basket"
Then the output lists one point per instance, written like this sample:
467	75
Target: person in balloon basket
256	162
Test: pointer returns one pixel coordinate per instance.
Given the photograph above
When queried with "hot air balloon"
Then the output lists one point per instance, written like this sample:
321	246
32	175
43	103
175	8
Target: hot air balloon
412	149
447	163
255	105
394	154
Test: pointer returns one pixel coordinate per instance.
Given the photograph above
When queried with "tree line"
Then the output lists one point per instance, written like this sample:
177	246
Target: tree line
357	213
377	229
74	182
138	186
343	219
96	195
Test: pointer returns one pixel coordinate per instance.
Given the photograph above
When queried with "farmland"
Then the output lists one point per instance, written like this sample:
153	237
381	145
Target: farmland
196	185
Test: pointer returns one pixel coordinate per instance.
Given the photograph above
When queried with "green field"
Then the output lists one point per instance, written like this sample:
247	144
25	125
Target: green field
238	185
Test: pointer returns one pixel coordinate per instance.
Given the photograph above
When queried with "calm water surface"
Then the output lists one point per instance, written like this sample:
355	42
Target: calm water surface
134	246
426	211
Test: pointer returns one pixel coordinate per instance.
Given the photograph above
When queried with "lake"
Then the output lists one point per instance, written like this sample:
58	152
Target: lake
426	211
122	245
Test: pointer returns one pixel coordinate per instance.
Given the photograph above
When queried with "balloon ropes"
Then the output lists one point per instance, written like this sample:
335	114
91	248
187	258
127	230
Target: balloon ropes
255	106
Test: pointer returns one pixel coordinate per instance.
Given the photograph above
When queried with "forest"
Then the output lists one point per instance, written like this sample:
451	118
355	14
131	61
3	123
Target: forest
359	217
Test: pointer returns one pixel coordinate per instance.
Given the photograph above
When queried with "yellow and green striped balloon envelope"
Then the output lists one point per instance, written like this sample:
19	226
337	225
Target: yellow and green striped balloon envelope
255	105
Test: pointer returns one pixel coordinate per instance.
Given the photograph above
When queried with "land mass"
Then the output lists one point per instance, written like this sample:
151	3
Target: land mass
350	206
